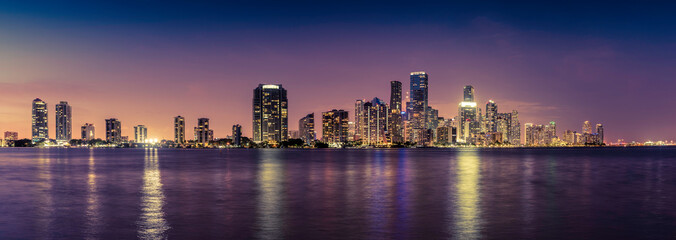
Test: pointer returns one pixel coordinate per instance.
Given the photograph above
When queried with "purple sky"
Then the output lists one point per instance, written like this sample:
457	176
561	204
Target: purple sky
147	71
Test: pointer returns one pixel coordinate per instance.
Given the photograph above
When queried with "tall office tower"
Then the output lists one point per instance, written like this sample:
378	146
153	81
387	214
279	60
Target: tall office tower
569	137
237	135
396	121
599	132
377	114
140	134
306	127
418	94
39	123
530	138
491	116
469	120
203	135
350	131
550	132
359	120
586	127
335	126
514	137
179	130
270	113
502	125
11	136
64	125
432	118
88	132
113	130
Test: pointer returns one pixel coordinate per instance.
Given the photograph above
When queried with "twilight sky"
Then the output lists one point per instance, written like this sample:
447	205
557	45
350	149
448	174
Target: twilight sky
145	62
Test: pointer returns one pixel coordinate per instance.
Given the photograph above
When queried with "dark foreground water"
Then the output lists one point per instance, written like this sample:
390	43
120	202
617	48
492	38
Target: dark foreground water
610	193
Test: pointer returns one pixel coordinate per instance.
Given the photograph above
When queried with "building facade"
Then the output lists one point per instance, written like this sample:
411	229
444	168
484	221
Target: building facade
113	130
203	134
306	128
396	121
179	130
40	129
237	135
376	119
419	102
140	134
88	132
64	127
335	126
270	113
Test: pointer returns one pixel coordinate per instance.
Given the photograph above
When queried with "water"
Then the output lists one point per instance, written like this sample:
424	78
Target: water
573	193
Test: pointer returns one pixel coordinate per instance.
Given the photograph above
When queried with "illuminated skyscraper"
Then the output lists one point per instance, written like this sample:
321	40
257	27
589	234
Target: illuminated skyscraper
113	130
491	116
360	122
88	132
270	113
514	137
550	133
335	126
586	127
203	135
377	114
179	130
64	125
396	122
237	135
140	134
306	128
469	120
599	132
419	102
40	130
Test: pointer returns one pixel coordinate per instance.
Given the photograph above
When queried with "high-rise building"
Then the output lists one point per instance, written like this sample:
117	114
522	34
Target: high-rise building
396	122
359	120
586	127
88	132
491	116
419	102
442	135
502	125
377	114
11	136
335	126
569	137
40	130
306	128
179	130
599	132
63	121
270	113
514	137
113	130
237	135
550	132
140	133
203	135
469	122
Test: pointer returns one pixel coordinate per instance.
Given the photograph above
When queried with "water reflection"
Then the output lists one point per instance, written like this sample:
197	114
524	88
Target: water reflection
270	187
45	203
93	214
152	224
467	212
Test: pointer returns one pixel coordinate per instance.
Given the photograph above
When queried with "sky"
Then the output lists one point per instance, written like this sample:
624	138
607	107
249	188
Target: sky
145	62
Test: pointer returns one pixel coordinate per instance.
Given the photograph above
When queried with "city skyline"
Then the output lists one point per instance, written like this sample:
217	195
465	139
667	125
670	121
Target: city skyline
147	69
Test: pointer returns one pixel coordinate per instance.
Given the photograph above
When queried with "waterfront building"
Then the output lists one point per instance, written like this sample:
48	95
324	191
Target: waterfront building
294	134
140	134
179	130
350	131
335	126
40	129
203	134
88	132
359	119
377	114
306	128
586	127
502	125
569	137
550	133
514	137
419	103
270	113
469	116
11	136
63	121
113	130
599	132
442	137
237	135
395	125
491	116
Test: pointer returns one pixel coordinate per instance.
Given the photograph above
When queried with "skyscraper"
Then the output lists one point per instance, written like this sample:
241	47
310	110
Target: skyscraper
40	130
469	120
203	135
377	114
599	132
270	113
359	120
586	127
306	128
140	134
237	135
419	102
396	122
113	130
88	132
514	137
63	122
491	116
179	130
335	126
11	136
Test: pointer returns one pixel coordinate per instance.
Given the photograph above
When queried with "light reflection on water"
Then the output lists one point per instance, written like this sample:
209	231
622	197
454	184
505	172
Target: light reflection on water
270	188
45	202
467	213
93	215
152	224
